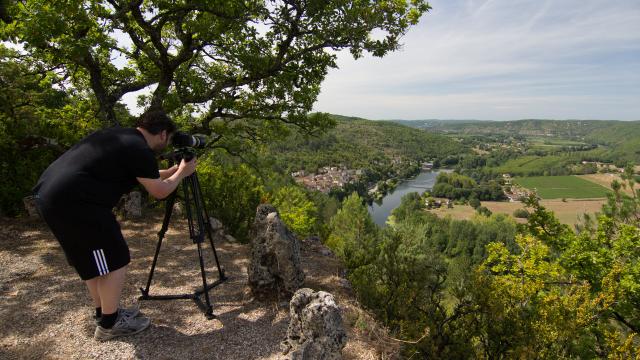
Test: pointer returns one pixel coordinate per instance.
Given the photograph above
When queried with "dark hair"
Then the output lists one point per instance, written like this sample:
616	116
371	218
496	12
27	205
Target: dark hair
155	121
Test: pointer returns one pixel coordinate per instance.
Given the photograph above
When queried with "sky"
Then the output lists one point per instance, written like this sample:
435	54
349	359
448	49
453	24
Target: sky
500	60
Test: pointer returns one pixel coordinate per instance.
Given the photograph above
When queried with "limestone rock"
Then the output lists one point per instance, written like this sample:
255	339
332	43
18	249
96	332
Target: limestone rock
133	204
315	329
326	252
215	223
275	256
30	205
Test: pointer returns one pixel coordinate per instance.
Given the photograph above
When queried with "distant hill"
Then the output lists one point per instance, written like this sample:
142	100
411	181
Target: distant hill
559	128
357	143
622	138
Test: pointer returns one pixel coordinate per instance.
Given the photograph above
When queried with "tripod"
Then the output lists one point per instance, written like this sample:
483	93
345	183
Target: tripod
194	205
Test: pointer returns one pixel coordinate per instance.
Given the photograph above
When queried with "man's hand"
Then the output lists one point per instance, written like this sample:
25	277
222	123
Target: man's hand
161	188
187	168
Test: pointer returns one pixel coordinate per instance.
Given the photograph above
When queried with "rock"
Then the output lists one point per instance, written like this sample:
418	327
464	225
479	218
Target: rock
133	204
275	256
345	283
326	252
215	224
30	205
230	238
313	239
315	329
178	209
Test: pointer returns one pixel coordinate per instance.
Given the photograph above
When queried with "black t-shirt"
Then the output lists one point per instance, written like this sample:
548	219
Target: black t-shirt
99	169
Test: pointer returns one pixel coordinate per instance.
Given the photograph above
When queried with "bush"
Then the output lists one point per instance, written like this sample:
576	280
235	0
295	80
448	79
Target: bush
521	213
231	193
482	210
296	210
474	202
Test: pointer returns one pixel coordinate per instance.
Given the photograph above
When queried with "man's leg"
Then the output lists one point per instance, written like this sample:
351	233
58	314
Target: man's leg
111	326
92	285
109	287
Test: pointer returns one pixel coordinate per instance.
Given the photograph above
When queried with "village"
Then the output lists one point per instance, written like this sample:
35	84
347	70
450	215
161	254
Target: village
327	178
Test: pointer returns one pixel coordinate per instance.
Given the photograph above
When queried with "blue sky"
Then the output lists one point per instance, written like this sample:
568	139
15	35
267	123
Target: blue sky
500	60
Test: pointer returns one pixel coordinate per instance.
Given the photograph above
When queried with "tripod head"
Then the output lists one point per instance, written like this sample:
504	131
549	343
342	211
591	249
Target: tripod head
186	153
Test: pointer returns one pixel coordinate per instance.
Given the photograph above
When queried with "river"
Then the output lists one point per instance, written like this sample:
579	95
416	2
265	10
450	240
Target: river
424	181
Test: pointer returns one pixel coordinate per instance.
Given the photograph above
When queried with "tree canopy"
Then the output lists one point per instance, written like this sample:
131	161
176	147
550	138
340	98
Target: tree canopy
252	66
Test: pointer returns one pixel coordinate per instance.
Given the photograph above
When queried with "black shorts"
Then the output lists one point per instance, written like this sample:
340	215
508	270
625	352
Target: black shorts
89	235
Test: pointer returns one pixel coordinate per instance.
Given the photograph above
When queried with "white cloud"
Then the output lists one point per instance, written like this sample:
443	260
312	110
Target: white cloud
488	56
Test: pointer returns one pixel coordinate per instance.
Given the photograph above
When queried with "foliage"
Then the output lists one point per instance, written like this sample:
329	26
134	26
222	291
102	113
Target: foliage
361	144
456	186
37	123
521	213
552	293
353	233
232	192
251	66
297	211
474	202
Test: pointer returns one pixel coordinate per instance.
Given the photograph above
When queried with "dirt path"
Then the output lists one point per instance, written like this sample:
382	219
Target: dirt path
46	313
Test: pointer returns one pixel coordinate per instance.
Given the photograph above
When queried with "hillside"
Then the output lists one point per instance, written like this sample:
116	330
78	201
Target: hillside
620	139
359	143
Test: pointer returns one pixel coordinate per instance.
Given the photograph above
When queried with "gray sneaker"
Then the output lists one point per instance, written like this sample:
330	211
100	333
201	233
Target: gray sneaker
124	326
132	311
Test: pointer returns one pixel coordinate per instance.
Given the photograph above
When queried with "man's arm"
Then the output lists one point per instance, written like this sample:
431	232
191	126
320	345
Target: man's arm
166	173
161	188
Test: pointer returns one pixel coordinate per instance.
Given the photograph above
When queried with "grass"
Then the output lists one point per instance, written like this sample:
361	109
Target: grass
606	179
568	212
556	187
531	164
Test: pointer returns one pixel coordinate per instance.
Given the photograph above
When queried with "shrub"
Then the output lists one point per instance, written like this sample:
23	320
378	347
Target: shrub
521	213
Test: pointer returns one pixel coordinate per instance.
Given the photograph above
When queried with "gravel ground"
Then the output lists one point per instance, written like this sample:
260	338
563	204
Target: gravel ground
46	312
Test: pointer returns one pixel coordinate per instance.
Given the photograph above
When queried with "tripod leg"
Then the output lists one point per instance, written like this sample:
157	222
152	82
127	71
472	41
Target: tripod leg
165	225
207	225
208	308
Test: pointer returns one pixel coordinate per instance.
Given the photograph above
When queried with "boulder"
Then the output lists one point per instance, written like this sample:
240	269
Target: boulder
215	224
30	205
315	328
275	256
133	204
217	230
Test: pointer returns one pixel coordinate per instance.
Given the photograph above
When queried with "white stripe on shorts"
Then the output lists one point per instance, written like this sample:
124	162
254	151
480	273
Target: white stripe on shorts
104	261
101	262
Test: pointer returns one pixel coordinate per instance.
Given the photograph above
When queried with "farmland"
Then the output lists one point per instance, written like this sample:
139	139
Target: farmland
569	212
556	187
606	180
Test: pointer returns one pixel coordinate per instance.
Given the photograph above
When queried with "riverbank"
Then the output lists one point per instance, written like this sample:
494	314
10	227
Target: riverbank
381	210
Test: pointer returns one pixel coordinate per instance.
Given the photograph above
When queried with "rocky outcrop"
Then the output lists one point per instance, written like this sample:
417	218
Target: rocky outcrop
315	329
275	256
30	206
132	204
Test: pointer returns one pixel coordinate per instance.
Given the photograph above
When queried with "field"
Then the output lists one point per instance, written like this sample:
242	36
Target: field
606	179
568	212
556	187
527	165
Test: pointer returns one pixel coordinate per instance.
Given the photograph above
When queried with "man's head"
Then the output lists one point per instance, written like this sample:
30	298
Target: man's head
157	128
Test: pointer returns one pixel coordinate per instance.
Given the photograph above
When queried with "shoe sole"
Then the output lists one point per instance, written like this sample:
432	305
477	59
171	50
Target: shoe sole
123	334
96	321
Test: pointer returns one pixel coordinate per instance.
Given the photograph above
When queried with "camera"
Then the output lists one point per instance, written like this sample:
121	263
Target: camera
181	139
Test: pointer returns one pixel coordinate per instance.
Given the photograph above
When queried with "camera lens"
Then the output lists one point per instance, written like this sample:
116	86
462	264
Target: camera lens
181	139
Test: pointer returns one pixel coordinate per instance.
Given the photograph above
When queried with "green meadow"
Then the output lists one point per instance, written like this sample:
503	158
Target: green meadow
555	187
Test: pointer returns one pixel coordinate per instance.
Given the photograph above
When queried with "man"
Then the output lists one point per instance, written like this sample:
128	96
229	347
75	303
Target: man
76	194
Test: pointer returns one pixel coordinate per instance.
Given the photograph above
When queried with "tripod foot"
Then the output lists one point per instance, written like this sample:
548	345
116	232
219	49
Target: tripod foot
145	294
